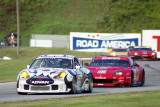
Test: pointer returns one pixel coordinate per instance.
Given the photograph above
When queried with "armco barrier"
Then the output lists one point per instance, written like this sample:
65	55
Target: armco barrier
57	41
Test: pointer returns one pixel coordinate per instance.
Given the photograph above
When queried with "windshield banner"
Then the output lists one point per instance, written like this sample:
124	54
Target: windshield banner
100	42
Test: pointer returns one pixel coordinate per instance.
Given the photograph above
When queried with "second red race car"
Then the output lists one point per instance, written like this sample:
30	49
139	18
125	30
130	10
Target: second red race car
142	53
116	71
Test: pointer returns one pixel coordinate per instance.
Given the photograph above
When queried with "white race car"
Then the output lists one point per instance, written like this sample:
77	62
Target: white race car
55	73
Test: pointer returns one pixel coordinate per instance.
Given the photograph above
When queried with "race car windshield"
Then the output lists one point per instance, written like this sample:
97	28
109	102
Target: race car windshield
119	50
123	63
142	49
52	63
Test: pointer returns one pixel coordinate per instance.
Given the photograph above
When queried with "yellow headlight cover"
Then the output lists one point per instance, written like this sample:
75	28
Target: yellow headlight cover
62	74
24	74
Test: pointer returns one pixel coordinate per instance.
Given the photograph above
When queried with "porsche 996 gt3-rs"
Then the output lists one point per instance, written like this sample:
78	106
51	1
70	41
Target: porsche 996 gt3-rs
55	73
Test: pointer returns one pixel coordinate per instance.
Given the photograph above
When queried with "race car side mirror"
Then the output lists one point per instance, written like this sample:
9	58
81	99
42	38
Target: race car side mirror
28	66
135	64
86	64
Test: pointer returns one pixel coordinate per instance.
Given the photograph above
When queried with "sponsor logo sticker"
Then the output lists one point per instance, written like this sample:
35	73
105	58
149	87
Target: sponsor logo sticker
102	71
40	82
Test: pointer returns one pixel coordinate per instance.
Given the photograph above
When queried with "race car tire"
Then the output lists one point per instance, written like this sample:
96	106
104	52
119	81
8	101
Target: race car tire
20	93
143	79
132	77
90	84
74	86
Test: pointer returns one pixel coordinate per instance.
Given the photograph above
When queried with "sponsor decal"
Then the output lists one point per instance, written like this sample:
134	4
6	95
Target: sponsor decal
100	77
85	43
87	83
101	41
102	71
40	82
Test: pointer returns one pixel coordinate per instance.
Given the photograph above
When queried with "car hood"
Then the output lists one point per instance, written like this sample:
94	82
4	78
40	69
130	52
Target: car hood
106	71
50	72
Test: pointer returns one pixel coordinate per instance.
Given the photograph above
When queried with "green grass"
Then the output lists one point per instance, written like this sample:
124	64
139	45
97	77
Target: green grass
10	69
60	17
143	99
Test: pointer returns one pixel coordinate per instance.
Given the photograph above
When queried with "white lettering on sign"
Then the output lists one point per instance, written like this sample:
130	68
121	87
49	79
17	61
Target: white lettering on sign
85	43
117	44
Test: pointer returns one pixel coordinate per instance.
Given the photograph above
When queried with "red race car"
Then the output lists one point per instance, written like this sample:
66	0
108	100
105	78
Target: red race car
116	71
142	53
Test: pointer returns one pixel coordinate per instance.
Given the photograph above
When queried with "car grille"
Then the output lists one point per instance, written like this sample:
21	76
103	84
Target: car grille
104	81
147	56
40	88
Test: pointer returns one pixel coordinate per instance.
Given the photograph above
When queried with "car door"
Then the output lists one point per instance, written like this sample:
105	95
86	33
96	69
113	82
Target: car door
136	71
80	73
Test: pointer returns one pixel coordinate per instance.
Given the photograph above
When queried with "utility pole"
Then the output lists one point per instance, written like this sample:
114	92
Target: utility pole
17	5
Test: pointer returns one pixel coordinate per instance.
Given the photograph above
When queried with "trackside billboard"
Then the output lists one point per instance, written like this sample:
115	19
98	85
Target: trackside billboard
152	38
100	42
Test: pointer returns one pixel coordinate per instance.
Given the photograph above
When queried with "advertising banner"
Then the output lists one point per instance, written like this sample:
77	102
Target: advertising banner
152	38
100	42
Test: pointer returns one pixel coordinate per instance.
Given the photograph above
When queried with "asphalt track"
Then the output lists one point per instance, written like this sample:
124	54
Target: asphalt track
8	90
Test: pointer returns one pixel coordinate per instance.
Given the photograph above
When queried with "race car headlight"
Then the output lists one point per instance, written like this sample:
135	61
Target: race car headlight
114	54
153	53
118	73
135	53
24	74
61	75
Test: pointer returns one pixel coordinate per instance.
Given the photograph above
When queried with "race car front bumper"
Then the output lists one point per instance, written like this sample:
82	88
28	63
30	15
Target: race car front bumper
56	87
144	57
112	81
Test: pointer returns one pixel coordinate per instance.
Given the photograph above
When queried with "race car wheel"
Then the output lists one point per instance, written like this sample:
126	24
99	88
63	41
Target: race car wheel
90	84
143	79
74	86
